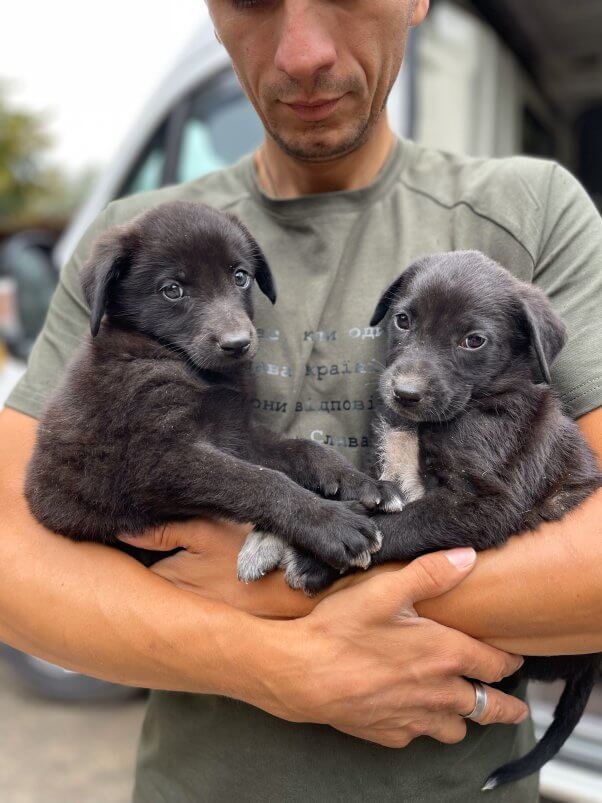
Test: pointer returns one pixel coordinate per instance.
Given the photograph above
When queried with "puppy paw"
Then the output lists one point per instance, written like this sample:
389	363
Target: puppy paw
260	554
364	559
392	499
375	495
342	535
306	573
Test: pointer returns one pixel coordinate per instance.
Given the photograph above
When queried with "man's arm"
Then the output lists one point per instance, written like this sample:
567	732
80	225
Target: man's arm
540	594
93	609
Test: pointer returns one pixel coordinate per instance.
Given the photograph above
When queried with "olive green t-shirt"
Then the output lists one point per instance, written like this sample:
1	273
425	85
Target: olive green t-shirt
317	368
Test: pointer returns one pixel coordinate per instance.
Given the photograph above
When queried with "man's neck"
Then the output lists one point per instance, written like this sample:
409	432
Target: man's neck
283	176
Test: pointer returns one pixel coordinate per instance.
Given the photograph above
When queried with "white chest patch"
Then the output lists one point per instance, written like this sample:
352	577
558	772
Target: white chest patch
398	459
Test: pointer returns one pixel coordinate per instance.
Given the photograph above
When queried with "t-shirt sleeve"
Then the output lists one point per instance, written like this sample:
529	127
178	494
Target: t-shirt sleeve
569	270
67	320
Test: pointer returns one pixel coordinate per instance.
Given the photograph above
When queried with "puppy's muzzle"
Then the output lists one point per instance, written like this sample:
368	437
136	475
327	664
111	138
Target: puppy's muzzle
235	344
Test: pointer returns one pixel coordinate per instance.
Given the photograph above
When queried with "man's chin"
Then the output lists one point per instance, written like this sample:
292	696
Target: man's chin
319	146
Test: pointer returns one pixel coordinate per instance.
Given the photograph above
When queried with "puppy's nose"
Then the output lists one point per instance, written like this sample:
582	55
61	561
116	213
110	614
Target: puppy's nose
235	343
407	391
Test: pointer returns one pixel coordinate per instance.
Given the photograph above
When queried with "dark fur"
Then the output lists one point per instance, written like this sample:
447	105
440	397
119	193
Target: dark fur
152	422
496	454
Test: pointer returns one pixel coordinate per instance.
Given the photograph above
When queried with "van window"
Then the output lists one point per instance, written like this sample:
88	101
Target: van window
220	127
147	173
209	129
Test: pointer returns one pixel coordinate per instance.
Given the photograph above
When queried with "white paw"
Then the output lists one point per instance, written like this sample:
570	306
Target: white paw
261	553
395	505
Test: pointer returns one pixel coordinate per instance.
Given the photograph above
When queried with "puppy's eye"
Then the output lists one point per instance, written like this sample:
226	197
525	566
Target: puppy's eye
242	278
402	321
172	291
473	341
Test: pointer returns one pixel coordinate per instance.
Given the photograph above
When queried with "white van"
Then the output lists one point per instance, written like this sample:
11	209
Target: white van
462	89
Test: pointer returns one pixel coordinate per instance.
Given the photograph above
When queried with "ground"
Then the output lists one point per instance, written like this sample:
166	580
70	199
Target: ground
57	753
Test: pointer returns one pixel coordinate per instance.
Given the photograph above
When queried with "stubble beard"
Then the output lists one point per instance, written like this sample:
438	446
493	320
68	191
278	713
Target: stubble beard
324	151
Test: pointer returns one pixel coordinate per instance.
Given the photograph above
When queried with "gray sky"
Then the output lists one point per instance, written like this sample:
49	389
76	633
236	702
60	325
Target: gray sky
91	65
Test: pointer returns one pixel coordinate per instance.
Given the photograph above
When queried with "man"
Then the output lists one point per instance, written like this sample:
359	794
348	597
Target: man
339	207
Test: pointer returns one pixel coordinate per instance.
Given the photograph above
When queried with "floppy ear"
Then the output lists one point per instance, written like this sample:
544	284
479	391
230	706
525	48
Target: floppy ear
546	332
263	274
392	291
100	274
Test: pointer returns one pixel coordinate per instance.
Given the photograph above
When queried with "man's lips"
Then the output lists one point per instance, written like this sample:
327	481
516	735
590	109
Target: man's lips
316	110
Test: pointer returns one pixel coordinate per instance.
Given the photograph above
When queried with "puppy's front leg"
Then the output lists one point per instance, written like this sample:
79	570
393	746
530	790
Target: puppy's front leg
438	521
323	470
441	521
215	482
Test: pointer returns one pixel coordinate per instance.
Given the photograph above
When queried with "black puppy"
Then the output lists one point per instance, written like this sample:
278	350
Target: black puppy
478	449
152	422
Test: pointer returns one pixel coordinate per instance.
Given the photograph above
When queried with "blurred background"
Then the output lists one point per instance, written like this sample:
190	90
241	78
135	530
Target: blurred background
101	101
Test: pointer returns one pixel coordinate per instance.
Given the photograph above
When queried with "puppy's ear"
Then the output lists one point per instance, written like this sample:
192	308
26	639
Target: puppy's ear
392	291
263	274
111	253
545	331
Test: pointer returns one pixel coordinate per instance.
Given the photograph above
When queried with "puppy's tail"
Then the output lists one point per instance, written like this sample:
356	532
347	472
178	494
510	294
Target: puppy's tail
566	716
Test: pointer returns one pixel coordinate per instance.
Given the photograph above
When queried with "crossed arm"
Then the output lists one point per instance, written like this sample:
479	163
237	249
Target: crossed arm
540	594
95	610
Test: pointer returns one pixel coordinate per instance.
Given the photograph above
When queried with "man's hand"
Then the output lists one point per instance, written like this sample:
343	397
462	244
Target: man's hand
382	673
206	565
363	661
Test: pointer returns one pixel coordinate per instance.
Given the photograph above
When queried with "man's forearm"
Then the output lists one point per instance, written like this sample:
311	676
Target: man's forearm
540	594
94	610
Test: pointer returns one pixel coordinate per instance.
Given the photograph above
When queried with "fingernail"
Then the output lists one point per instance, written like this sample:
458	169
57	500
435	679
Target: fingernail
521	718
461	558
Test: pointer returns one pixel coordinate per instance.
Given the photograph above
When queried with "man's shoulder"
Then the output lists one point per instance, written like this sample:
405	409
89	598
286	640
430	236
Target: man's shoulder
452	178
510	191
219	189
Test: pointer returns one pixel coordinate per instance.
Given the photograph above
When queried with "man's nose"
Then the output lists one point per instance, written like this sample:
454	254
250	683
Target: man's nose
306	46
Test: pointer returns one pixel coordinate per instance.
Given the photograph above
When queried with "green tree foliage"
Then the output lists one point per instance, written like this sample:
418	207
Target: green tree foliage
30	187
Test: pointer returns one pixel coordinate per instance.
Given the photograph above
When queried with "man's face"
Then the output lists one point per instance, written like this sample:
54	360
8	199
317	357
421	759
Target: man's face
318	72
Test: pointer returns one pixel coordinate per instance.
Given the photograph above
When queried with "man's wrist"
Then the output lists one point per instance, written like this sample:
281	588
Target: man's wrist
263	662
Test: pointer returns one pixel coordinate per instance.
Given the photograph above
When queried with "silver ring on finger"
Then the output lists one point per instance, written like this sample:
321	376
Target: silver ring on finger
480	703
